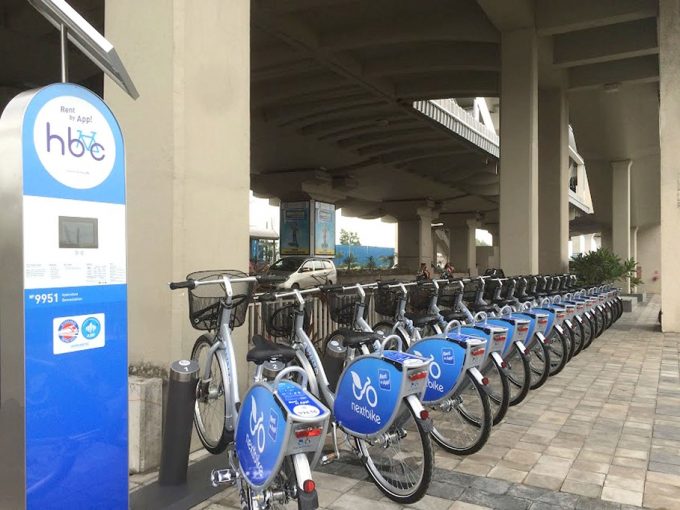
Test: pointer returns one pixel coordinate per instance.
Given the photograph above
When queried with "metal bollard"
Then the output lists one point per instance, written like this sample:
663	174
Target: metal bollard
178	422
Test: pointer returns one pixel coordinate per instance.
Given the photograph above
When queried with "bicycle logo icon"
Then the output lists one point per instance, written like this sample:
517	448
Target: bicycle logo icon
435	369
257	426
366	389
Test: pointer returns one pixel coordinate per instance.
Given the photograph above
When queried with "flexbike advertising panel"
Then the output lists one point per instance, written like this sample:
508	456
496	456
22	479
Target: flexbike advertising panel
294	229
445	369
324	229
368	394
75	309
261	434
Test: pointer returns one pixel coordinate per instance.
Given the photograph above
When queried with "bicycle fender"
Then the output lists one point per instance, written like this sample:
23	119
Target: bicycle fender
541	338
477	375
521	347
498	360
413	402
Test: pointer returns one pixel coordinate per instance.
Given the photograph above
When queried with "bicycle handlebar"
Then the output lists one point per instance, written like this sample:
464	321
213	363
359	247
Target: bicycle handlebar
192	284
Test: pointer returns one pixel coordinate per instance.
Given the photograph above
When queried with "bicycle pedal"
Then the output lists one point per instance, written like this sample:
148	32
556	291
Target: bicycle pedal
222	477
328	458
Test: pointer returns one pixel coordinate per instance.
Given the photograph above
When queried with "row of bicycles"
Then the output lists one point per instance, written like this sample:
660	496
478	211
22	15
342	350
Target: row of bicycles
444	364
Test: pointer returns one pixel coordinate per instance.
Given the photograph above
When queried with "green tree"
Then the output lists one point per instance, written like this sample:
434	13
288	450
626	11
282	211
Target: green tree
349	238
350	261
387	260
370	263
603	266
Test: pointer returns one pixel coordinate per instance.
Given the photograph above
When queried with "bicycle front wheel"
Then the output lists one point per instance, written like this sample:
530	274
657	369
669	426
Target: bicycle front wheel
498	390
539	363
401	461
559	351
210	410
462	423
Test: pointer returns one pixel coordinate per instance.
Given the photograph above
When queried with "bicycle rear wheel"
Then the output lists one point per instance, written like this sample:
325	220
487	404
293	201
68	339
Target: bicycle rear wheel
210	410
462	423
400	463
519	375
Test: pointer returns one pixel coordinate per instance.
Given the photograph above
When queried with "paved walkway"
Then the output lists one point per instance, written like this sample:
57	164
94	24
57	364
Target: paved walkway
605	433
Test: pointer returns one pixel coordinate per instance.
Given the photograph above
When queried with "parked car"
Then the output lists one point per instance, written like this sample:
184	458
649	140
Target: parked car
299	273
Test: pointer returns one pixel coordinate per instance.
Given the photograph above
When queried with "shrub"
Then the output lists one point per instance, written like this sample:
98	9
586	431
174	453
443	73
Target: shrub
603	266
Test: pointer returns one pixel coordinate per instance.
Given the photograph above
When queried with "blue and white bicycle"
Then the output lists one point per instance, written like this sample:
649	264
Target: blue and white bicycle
275	436
374	397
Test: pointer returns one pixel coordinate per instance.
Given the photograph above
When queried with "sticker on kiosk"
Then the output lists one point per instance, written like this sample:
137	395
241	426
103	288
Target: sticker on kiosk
78	333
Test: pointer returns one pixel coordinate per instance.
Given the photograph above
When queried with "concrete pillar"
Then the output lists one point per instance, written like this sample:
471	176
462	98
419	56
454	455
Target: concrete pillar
415	240
669	132
553	181
188	157
519	153
472	226
621	211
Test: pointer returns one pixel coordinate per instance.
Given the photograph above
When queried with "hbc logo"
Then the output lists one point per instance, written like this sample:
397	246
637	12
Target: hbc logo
74	142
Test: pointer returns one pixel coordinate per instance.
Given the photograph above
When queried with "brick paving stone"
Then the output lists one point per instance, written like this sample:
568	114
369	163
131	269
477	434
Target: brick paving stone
506	502
462	505
507	474
621	496
582	488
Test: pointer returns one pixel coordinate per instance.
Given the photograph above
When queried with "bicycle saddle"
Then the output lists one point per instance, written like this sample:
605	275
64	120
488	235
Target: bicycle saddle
356	338
420	320
266	350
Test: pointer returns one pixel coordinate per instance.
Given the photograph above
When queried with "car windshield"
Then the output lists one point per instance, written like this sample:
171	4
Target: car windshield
289	264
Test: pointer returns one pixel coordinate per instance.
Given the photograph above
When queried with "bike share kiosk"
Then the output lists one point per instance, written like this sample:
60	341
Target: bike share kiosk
63	298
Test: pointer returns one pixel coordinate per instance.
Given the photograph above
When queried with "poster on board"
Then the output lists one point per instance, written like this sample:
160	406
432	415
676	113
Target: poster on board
295	228
324	230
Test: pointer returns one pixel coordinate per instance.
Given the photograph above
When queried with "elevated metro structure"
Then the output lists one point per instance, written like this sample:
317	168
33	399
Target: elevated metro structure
347	101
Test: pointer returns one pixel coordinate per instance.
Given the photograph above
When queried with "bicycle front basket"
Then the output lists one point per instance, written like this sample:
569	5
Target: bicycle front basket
387	301
448	293
420	296
342	305
279	317
205	300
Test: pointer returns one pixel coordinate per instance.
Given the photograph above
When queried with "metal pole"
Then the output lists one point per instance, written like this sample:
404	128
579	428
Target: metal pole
178	422
64	53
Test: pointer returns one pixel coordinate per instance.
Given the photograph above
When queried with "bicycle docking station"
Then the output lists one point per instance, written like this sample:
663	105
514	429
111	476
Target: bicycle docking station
179	486
63	302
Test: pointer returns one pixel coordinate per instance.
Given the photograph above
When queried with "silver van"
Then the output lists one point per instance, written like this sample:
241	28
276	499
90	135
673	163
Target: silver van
299	273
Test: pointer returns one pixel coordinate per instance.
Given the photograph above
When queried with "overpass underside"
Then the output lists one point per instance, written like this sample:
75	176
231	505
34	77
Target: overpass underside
335	100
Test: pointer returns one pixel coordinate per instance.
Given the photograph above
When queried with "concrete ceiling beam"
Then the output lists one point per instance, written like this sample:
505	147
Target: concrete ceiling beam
335	111
408	29
604	44
327	126
291	6
561	16
507	15
391	148
363	140
455	56
451	84
369	127
632	70
278	91
286	112
419	154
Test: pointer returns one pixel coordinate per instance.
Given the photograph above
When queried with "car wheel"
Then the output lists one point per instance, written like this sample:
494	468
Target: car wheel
295	286
329	282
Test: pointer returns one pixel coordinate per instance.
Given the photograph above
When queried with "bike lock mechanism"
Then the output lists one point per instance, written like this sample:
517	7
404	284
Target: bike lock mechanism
179	419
